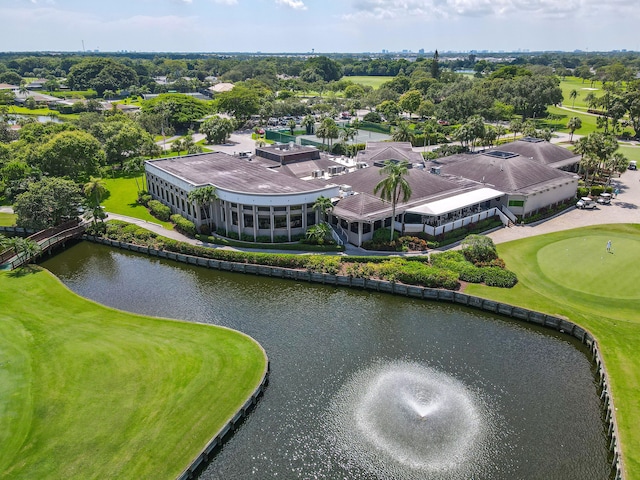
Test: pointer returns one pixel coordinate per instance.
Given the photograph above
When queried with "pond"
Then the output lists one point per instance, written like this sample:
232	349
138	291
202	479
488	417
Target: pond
367	385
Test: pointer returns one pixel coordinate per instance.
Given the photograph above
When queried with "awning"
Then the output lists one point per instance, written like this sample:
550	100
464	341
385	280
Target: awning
457	202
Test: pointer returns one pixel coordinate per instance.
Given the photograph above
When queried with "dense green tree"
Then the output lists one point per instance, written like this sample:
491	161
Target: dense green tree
394	187
324	67
101	74
217	129
10	77
73	154
410	101
47	203
177	110
389	109
241	102
122	139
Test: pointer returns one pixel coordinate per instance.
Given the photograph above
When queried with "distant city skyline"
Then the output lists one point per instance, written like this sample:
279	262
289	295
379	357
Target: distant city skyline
323	26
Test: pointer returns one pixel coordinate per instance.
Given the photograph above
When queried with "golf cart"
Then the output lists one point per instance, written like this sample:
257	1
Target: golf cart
633	165
604	199
586	202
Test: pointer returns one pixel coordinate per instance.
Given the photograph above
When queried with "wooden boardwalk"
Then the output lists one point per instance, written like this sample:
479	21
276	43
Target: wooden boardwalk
46	239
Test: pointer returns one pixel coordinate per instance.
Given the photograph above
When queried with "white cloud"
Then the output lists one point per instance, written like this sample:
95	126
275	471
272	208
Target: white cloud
449	9
295	4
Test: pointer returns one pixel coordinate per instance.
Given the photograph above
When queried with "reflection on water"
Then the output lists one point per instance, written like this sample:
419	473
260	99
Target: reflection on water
525	397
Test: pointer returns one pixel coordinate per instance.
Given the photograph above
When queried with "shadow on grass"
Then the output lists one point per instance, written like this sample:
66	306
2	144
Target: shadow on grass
28	269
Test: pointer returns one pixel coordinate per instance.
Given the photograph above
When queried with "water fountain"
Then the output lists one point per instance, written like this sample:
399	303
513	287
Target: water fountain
407	420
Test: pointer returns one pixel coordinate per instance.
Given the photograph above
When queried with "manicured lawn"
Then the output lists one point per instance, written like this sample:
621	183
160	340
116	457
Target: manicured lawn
123	195
589	124
91	392
570	274
374	82
583	89
630	151
7	219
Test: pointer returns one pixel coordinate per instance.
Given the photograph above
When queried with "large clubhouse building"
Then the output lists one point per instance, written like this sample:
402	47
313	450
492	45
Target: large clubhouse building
270	195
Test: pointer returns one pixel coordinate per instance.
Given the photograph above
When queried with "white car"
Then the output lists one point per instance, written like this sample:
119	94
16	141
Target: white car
586	202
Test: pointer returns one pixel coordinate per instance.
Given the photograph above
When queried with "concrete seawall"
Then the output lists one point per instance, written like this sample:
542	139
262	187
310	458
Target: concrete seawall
548	321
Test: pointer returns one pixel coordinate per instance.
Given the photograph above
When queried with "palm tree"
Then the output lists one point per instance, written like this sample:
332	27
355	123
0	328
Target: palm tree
204	196
575	123
402	133
394	187
134	166
323	206
292	126
355	125
347	134
617	162
516	127
500	131
309	123
94	190
573	95
317	234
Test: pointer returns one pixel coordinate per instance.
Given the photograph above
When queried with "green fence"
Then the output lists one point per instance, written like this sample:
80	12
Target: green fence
374	127
279	136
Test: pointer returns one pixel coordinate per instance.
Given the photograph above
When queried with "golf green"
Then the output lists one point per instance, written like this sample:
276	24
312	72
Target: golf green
584	264
570	274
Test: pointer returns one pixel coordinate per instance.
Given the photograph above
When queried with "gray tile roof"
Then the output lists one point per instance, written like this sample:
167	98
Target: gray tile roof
235	174
383	151
367	205
542	152
518	174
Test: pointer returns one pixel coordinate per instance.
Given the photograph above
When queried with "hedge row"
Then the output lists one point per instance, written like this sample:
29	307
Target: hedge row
444	271
159	210
183	225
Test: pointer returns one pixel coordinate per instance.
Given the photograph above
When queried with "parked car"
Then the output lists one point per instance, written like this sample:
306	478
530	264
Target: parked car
604	199
633	165
586	202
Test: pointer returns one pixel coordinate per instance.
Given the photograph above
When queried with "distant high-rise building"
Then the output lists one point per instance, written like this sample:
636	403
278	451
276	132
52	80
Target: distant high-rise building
421	51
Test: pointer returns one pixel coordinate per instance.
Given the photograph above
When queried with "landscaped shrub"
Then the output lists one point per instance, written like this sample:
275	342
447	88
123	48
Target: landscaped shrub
144	199
413	244
159	210
596	190
582	192
417	273
471	274
498	277
478	248
322	264
183	225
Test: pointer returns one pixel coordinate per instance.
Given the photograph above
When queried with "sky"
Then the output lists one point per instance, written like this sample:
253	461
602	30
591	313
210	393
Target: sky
322	26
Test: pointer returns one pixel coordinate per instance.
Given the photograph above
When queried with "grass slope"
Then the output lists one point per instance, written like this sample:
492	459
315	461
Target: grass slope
91	392
7	219
123	199
570	274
